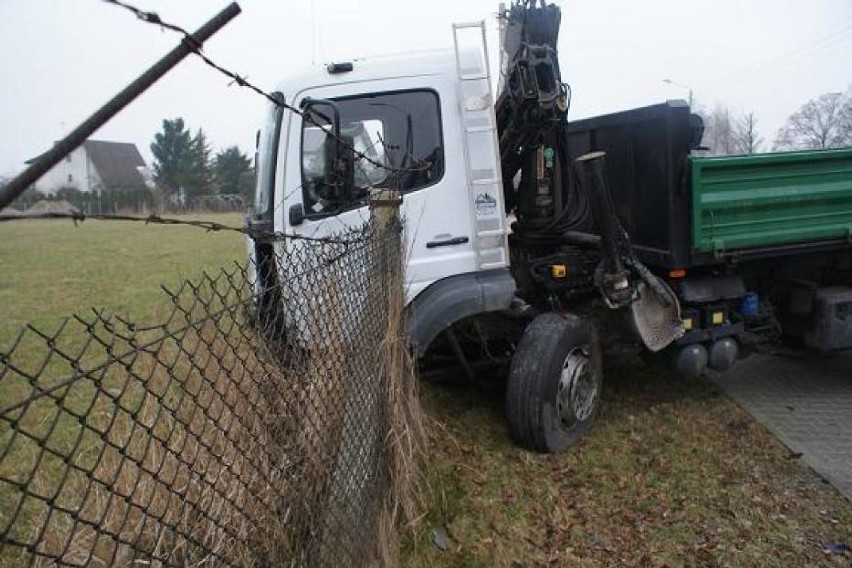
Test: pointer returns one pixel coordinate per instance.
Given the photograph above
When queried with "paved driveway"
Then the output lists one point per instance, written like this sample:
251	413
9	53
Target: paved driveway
805	400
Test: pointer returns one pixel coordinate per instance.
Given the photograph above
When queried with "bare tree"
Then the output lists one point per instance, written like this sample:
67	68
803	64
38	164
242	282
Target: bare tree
823	122
747	140
718	131
846	115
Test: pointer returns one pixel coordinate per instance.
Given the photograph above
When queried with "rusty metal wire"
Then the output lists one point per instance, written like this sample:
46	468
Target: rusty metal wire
247	426
242	81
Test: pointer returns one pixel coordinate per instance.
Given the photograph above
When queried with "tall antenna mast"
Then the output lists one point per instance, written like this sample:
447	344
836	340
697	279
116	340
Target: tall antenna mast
501	32
313	32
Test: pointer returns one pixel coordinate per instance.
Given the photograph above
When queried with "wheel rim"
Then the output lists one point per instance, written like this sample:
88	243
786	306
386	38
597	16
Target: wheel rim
578	388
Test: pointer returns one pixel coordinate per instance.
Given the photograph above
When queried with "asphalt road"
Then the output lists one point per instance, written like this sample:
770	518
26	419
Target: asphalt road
805	399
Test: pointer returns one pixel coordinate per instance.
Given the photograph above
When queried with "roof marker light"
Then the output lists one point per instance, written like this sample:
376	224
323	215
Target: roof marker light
344	67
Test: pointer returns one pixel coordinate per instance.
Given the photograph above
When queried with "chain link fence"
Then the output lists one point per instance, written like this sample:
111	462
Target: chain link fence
270	420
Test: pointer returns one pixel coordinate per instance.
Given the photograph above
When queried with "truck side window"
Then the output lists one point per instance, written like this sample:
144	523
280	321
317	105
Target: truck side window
396	131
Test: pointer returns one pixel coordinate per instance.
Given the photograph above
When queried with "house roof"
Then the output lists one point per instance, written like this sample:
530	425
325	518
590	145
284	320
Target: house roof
117	163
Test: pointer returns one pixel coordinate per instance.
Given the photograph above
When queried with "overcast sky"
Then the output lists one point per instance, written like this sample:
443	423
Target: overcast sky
61	59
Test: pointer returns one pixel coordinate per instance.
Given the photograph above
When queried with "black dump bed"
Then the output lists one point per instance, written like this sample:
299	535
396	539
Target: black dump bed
683	211
647	152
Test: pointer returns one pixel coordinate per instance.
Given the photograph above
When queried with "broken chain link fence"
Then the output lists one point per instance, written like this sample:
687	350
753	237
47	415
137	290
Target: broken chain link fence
268	421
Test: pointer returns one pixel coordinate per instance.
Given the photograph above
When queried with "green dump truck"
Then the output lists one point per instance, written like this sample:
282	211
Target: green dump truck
756	247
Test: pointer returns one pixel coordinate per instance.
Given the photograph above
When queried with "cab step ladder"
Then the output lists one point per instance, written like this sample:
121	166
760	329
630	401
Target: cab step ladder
481	149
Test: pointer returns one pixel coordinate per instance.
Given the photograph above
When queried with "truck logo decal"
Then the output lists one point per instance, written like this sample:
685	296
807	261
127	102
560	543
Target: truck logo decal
485	205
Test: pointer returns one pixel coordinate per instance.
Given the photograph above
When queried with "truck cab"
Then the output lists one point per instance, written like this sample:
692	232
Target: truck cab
426	121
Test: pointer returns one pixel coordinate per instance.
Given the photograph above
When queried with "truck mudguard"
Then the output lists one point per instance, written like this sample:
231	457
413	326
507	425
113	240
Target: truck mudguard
452	299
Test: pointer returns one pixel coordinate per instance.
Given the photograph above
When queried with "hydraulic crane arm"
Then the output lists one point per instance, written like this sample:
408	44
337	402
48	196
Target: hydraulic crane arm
531	112
552	197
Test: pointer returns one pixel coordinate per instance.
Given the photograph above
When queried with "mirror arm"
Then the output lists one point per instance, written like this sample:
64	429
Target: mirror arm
308	102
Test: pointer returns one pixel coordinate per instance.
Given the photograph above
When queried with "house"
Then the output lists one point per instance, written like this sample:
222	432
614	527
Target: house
97	166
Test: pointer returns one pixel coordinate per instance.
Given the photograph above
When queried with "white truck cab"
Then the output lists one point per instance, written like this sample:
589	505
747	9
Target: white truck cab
429	115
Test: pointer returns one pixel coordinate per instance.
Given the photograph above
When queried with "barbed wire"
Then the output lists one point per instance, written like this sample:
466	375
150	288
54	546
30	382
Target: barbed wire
212	226
242	81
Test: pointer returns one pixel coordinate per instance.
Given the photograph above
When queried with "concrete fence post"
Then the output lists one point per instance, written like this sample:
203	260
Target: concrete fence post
384	207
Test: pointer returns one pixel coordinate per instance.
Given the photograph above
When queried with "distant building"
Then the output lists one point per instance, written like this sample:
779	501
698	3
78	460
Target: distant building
97	166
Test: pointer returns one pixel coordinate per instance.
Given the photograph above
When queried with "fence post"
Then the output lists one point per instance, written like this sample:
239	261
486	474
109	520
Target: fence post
384	207
384	221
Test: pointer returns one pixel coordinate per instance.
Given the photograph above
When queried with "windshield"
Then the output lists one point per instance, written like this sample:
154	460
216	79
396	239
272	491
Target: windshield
396	131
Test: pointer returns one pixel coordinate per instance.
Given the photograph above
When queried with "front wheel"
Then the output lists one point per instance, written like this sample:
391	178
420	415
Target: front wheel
554	385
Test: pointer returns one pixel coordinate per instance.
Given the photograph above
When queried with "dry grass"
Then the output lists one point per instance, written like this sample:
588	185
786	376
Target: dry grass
207	446
167	454
402	504
674	474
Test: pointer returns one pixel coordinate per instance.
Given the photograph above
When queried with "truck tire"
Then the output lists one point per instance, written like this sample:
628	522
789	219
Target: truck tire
554	384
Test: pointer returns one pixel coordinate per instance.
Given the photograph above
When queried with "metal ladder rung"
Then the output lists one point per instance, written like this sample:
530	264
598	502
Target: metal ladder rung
479	129
494	233
473	24
490	181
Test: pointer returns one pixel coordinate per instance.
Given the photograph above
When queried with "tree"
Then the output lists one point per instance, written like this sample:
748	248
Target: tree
248	180
823	122
170	148
198	175
181	161
746	138
718	131
233	172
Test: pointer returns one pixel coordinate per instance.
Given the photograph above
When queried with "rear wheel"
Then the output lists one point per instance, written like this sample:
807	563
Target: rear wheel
554	385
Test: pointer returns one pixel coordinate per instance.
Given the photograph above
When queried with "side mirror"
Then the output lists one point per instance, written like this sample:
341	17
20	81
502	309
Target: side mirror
338	179
339	168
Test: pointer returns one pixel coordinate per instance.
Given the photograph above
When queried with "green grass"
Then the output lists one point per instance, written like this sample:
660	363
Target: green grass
52	269
673	474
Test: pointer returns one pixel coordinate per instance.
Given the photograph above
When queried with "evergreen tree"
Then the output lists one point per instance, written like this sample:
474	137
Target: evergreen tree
234	172
182	162
170	148
198	174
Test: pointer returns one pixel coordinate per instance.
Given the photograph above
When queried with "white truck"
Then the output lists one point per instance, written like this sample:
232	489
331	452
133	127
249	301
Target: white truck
514	250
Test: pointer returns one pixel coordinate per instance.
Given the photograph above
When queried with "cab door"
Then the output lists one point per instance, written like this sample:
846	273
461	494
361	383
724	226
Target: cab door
411	135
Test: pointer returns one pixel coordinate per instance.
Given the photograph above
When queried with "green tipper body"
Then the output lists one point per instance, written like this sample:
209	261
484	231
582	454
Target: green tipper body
771	199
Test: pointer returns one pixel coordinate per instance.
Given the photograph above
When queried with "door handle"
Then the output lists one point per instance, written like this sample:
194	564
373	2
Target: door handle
447	242
296	214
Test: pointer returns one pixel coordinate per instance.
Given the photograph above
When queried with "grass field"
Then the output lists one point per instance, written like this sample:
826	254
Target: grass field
51	269
674	474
